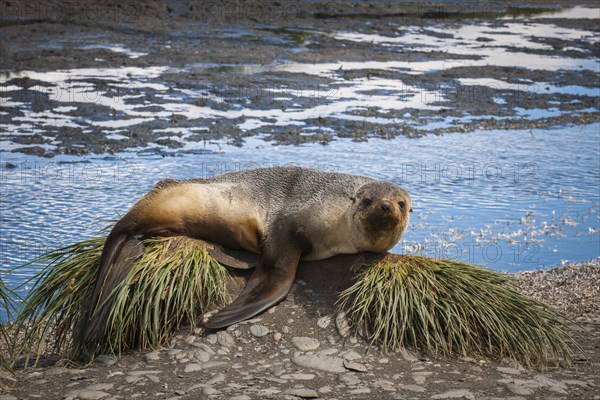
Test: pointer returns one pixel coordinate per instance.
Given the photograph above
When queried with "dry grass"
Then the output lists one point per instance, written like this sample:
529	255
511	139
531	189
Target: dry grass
174	282
447	307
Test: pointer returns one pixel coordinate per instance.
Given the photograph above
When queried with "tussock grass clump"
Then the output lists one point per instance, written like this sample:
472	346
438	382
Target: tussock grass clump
6	306
446	307
174	282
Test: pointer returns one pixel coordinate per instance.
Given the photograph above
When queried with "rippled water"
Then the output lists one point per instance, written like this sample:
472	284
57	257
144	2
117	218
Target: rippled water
510	200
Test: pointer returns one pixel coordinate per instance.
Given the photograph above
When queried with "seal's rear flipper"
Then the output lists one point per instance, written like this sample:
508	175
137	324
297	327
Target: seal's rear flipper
237	259
269	284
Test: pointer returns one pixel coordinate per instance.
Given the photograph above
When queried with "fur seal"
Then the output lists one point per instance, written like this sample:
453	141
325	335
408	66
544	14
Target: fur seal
283	214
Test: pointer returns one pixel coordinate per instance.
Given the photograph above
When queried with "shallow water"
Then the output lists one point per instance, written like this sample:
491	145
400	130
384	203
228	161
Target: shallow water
510	200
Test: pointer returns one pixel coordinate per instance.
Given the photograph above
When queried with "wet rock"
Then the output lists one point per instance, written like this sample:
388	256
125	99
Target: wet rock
305	343
259	330
455	394
320	362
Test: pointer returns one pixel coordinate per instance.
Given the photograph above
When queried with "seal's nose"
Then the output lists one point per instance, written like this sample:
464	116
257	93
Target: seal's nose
385	206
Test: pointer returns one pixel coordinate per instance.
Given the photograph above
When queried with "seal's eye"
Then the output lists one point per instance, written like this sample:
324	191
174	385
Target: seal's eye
366	202
402	204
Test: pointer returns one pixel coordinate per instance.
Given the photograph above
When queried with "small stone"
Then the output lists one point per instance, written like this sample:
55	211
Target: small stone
192	367
210	391
351	355
92	395
342	325
211	339
7	397
240	397
218	378
225	339
384	385
153	356
324	390
455	394
303	393
413	388
298	377
519	389
383	360
408	355
360	391
320	362
106	359
259	330
354	366
190	339
305	343
202	355
277	336
508	370
349	379
324	322
180	392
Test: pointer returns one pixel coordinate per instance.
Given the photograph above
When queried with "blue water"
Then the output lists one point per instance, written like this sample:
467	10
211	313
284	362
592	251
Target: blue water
509	200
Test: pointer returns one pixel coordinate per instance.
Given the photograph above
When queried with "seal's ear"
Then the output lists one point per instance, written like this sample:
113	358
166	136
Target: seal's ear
353	198
410	210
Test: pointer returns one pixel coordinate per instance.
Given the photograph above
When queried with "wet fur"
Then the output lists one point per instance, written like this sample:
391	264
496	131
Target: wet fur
282	213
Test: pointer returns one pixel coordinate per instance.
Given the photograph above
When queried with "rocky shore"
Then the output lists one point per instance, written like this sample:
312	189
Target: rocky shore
302	349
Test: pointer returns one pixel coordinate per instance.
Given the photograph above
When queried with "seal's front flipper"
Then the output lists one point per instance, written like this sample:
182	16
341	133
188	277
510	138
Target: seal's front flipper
270	283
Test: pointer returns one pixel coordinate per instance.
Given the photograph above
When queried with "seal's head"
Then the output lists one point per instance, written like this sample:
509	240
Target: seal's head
381	211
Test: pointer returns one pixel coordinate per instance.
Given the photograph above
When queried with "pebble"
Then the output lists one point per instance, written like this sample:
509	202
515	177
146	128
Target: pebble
7	397
303	393
153	356
192	367
342	325
351	355
218	378
320	362
277	336
225	339
324	322
455	394
305	343
298	376
349	379
354	366
92	395
509	370
259	330
413	388
360	391
384	385
106	359
202	355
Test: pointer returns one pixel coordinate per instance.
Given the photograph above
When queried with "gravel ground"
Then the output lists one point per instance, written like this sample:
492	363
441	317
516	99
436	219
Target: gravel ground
301	349
573	289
